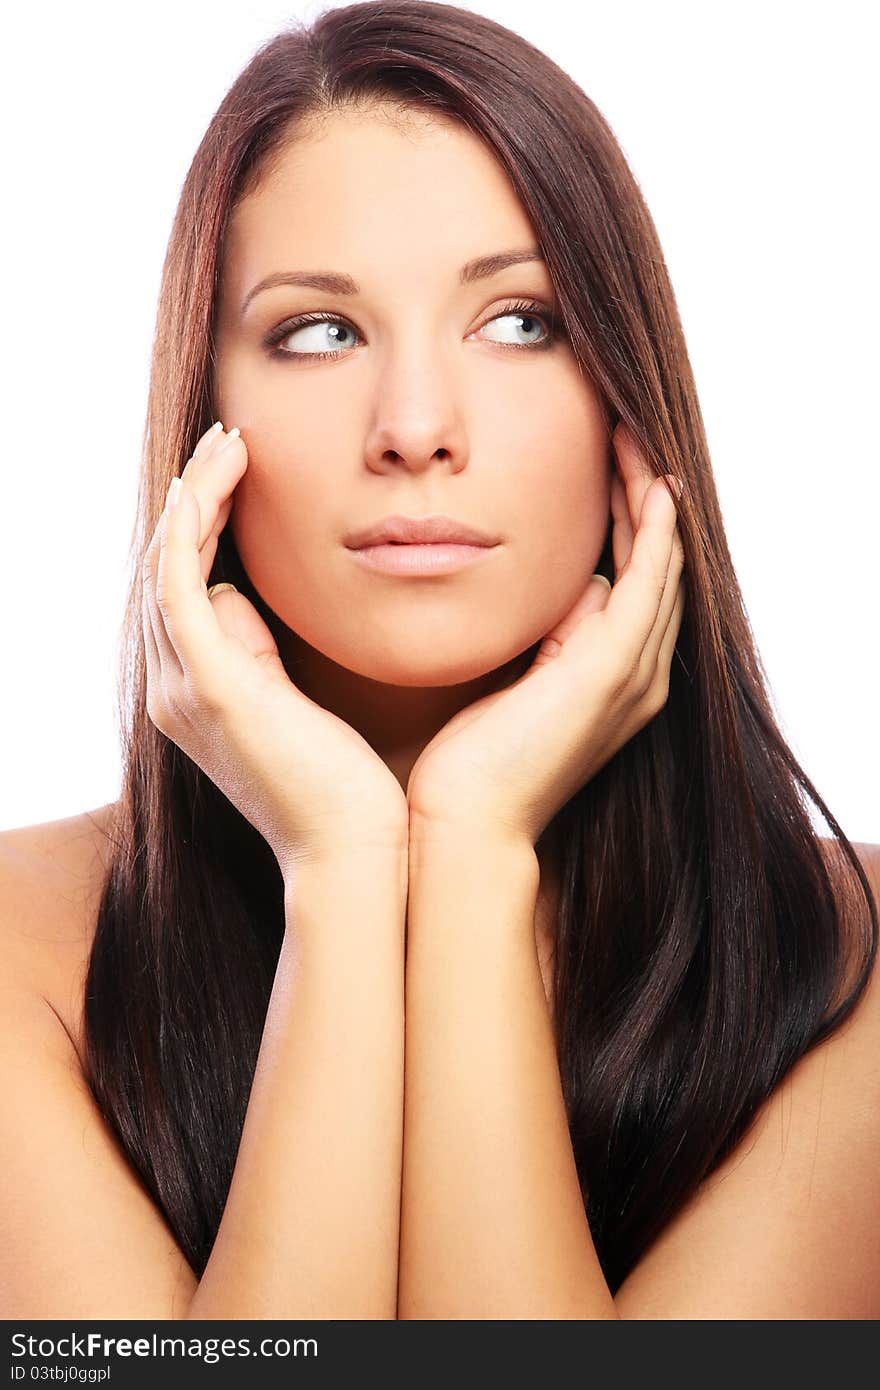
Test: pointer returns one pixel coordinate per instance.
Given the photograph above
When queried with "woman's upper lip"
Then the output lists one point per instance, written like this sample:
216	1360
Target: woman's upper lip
419	530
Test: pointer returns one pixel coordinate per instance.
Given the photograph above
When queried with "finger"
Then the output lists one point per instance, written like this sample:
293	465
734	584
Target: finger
212	474
209	549
187	616
669	599
634	476
635	599
151	650
665	630
168	659
212	446
666	652
205	444
636	479
207	438
592	600
634	469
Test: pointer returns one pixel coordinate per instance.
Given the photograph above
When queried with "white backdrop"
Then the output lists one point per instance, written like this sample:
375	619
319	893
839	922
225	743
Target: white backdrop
753	133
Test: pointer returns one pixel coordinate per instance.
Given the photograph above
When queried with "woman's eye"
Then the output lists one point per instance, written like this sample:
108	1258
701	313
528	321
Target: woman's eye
314	332
526	318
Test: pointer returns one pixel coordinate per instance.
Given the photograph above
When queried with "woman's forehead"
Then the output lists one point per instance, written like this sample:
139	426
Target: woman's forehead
363	198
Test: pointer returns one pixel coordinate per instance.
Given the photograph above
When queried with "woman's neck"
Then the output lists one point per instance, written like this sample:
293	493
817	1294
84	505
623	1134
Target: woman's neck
397	721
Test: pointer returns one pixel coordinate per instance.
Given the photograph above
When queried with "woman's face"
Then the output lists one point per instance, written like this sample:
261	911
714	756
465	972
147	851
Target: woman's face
436	398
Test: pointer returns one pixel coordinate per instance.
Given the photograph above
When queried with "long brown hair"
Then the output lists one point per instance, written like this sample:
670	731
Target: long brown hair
706	937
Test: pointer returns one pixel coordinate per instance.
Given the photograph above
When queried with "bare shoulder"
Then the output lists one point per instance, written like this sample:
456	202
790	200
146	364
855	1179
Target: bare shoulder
788	1226
51	879
870	858
80	1236
868	1006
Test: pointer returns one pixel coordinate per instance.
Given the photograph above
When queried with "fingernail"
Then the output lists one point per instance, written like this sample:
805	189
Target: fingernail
173	494
233	434
208	436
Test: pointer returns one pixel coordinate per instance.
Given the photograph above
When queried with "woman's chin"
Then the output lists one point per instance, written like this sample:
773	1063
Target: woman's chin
424	670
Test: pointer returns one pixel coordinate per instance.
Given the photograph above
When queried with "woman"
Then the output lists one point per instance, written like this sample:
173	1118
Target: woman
522	786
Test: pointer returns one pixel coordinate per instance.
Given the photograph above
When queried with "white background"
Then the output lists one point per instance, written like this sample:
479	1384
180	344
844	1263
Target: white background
753	133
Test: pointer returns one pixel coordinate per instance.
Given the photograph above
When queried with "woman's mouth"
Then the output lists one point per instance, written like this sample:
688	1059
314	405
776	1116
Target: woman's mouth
411	558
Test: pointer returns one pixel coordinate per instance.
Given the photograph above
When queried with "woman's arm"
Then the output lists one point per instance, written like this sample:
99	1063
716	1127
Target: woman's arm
492	1219
311	1224
493	1224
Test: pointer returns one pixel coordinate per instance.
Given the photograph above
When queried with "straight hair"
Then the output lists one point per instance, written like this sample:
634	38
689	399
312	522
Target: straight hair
707	936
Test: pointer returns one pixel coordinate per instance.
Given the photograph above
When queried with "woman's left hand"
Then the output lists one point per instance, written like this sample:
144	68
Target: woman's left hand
507	763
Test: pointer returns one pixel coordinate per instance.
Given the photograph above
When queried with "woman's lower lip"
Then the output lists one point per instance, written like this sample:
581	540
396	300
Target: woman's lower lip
420	559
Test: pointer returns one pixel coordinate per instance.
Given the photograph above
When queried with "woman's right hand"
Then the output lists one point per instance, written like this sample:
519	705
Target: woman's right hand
216	686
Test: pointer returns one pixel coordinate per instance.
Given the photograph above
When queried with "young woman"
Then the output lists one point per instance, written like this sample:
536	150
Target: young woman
460	945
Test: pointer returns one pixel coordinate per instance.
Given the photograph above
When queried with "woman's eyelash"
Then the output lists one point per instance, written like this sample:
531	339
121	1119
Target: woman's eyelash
520	306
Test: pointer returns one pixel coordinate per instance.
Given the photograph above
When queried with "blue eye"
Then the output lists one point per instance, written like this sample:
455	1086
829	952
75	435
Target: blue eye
526	311
287	329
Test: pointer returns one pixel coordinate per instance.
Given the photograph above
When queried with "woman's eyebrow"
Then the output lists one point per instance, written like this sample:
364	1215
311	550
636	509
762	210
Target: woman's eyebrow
336	282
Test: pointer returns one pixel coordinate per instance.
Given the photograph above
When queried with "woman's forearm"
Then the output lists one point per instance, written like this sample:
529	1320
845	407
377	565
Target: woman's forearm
492	1218
311	1224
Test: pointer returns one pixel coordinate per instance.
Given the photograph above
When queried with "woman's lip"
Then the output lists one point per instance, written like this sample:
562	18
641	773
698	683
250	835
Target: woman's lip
440	557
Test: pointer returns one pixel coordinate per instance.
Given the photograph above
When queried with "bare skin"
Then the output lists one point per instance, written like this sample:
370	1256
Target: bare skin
62	866
435	400
435	397
59	869
51	876
424	409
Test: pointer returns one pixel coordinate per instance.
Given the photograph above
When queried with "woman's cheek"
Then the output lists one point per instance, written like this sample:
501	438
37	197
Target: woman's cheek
271	538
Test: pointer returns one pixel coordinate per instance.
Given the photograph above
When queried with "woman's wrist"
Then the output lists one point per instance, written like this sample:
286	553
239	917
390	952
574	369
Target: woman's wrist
341	886
357	855
461	881
466	840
